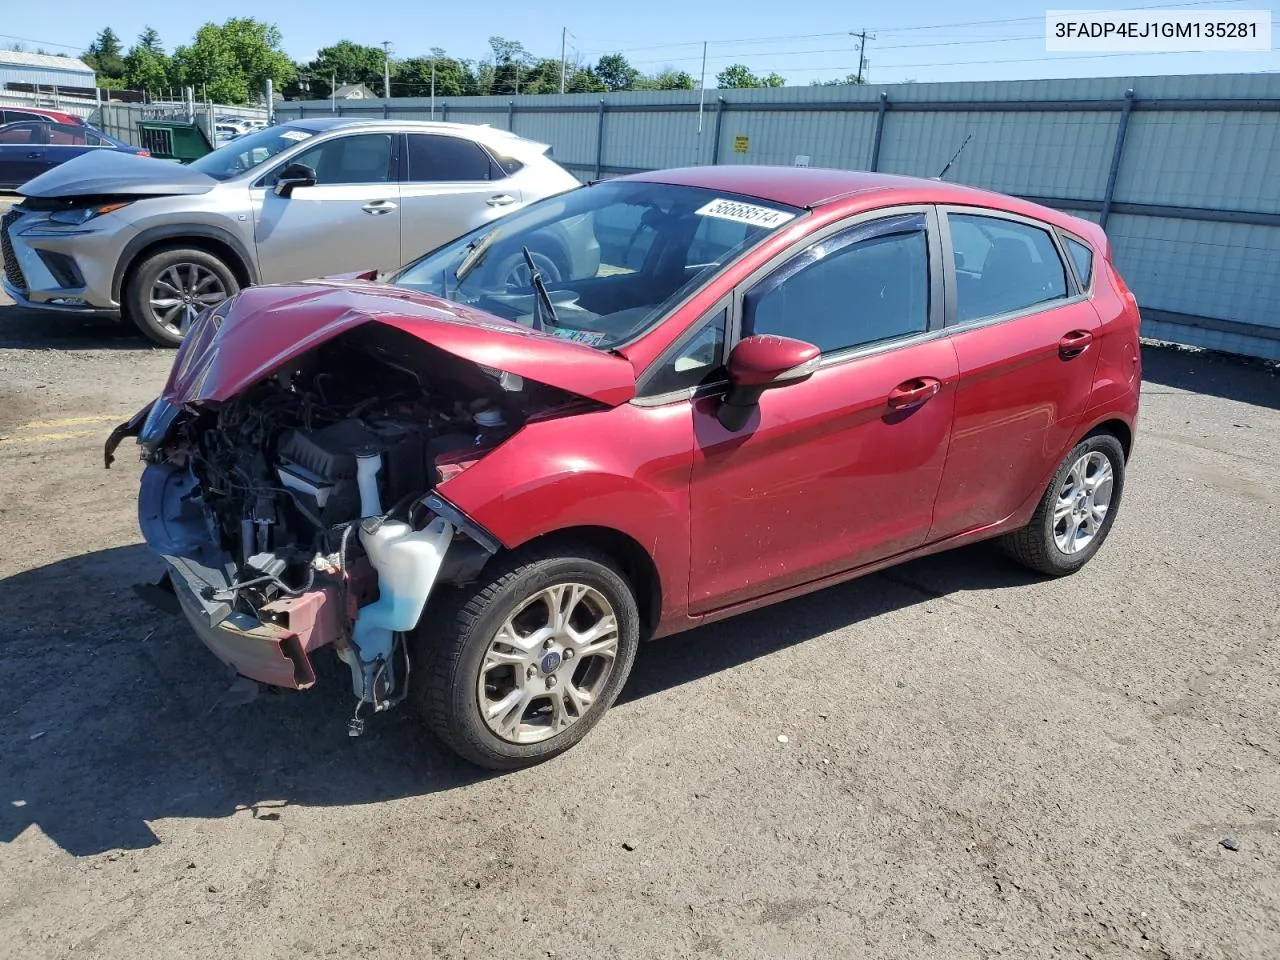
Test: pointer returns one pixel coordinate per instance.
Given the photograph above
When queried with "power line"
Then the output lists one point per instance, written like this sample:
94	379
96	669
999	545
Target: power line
1040	59
605	48
42	43
1040	19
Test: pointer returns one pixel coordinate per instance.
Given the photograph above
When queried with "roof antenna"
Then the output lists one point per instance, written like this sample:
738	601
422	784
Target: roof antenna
955	156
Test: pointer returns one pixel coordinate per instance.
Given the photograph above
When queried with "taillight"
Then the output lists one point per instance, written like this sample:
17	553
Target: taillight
144	153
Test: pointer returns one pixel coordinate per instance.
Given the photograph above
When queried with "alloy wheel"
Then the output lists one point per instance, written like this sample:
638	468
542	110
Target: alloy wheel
548	663
1083	501
182	292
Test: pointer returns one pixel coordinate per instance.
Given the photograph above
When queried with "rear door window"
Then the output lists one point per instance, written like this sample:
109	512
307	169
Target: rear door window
65	135
439	159
1003	266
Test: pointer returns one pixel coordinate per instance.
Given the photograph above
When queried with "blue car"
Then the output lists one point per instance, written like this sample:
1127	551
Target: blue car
29	148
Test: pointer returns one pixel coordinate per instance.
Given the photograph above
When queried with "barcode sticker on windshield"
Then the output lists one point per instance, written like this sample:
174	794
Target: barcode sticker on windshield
724	209
294	134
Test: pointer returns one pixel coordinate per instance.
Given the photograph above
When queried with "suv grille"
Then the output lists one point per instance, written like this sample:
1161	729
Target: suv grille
12	271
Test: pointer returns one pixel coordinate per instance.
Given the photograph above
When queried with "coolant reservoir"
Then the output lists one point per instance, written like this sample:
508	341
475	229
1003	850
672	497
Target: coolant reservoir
407	562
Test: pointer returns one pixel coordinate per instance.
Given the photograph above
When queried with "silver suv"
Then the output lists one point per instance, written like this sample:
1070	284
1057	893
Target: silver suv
157	242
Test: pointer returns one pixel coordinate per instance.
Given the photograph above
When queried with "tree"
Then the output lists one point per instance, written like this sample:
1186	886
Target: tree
616	72
667	78
104	54
510	69
737	76
454	78
146	65
345	62
232	63
583	80
850	79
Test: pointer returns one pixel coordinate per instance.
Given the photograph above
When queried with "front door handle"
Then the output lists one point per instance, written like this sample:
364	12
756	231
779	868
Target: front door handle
36	155
913	393
376	207
500	200
1074	343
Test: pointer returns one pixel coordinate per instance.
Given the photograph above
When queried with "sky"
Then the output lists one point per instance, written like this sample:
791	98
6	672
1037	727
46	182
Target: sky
804	40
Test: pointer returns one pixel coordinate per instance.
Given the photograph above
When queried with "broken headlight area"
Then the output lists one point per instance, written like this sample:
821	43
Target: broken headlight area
302	512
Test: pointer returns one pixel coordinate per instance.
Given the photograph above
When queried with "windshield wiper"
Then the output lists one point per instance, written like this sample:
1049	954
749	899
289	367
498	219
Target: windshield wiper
543	308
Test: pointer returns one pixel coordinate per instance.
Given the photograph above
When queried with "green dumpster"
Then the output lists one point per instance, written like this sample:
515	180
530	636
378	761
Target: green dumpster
173	140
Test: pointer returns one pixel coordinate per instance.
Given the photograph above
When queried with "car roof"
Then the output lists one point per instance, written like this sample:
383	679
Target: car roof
318	124
814	187
494	137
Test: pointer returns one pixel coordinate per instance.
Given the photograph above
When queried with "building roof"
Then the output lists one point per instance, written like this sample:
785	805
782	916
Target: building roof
354	91
43	60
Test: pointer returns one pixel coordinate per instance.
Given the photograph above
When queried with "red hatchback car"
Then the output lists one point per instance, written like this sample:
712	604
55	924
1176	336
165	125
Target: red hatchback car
622	412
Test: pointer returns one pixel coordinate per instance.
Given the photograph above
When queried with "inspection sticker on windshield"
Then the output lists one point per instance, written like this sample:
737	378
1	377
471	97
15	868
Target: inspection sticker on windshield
294	134
725	209
590	337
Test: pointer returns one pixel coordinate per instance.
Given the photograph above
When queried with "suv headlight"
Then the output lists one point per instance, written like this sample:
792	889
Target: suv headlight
81	215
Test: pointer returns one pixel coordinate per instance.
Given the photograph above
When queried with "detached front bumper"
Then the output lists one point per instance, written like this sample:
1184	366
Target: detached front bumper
274	648
275	652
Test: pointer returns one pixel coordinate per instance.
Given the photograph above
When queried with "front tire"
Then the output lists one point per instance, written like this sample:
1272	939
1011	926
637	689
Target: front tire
1076	512
171	287
523	664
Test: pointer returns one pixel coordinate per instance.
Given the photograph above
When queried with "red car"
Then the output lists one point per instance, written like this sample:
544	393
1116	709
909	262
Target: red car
485	479
15	115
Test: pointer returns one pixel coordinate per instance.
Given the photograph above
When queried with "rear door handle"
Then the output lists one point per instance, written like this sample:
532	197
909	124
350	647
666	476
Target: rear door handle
1074	343
376	207
500	200
35	155
913	393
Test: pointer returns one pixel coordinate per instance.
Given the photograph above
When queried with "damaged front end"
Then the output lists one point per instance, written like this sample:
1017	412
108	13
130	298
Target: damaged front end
296	505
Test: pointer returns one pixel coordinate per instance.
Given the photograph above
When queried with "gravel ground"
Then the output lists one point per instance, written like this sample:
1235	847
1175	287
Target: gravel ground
977	762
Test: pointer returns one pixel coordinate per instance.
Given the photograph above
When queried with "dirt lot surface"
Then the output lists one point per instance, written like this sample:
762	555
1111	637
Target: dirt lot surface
977	762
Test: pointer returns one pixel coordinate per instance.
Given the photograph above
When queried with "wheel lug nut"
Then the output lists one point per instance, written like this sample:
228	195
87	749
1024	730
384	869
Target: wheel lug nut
531	672
551	681
546	645
568	653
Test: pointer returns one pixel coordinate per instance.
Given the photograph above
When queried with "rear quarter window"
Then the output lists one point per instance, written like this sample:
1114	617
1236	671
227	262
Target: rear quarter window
1082	257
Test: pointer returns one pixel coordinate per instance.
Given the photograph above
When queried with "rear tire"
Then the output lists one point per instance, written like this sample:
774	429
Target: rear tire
173	285
503	705
1076	512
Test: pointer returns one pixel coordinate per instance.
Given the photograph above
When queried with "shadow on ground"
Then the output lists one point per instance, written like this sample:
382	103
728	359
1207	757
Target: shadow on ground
25	329
1250	381
116	715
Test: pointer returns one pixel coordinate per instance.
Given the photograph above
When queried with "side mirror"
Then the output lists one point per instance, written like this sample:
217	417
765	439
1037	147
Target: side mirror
293	176
760	363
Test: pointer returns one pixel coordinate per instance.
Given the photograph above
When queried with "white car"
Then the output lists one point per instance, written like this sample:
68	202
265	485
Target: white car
158	242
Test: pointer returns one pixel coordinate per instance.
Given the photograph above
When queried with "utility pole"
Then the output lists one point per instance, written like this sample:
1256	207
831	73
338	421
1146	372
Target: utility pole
564	43
433	86
862	49
333	92
386	69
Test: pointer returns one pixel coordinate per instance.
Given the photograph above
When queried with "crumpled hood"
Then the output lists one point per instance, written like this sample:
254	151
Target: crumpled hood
263	328
110	172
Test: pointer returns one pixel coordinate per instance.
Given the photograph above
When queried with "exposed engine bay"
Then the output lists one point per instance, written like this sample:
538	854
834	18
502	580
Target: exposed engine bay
309	498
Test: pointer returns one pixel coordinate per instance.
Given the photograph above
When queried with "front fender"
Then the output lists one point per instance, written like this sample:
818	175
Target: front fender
625	469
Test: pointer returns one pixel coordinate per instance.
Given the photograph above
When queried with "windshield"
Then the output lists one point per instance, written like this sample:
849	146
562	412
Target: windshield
249	151
613	257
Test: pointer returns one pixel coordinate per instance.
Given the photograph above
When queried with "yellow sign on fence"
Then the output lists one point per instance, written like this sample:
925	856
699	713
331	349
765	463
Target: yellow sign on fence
741	143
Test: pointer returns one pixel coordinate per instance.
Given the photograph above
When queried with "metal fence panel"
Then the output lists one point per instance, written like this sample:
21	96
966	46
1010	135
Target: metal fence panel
1184	177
